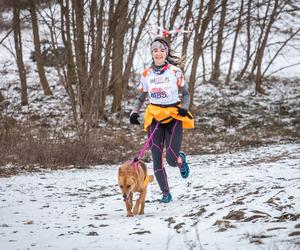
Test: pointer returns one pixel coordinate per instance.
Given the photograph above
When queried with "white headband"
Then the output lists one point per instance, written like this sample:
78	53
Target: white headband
159	45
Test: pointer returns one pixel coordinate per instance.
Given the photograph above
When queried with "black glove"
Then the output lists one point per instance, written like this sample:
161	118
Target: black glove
182	112
134	118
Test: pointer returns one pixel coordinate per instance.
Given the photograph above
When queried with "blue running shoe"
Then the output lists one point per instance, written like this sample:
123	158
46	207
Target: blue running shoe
166	198
184	169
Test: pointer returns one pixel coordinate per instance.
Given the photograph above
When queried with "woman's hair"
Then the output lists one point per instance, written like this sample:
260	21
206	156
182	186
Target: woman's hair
171	58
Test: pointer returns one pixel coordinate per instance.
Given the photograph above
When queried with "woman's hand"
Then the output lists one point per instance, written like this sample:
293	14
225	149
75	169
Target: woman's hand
182	112
134	118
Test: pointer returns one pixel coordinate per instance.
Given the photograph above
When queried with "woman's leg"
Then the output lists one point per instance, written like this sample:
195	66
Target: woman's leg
173	144
173	137
156	145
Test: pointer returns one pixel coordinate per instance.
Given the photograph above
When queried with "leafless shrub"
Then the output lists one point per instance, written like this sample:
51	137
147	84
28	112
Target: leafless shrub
25	145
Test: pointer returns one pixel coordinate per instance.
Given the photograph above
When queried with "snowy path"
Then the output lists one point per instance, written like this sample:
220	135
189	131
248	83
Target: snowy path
245	200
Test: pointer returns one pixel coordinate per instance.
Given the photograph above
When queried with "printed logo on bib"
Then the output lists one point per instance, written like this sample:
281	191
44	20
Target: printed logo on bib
158	80
160	93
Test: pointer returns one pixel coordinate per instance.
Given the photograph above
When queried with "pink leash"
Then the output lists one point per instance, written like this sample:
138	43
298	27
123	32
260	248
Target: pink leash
142	152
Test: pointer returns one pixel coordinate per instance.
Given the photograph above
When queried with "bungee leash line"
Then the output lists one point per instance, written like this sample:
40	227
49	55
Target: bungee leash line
142	152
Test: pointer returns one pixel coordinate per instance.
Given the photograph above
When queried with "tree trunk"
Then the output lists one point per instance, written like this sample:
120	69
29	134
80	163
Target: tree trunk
118	54
186	37
99	50
66	38
216	69
37	47
80	54
96	66
198	44
248	51
70	77
106	61
19	55
237	31
262	30
260	53
175	13
1	97
167	6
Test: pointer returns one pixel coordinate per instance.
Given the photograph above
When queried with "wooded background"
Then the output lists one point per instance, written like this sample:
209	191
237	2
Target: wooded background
94	45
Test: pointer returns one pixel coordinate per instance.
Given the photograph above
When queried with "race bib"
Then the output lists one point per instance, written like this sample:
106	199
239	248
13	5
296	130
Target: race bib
160	93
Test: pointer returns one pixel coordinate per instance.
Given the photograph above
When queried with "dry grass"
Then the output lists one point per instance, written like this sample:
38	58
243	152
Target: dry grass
30	148
34	148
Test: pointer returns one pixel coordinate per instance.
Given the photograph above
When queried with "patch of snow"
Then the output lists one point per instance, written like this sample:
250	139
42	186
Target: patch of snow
244	200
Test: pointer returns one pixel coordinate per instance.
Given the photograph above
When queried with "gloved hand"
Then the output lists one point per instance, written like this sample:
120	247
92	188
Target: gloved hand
134	118
182	112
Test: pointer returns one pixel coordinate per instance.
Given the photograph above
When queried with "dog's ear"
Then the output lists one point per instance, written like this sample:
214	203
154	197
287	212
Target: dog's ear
120	171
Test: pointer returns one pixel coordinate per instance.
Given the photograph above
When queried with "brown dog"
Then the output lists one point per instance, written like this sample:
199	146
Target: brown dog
133	177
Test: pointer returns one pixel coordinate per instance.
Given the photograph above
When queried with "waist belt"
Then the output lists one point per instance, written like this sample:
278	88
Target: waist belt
166	105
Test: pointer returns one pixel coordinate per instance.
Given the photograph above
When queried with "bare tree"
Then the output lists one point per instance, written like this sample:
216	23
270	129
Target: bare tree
121	22
261	49
96	63
174	14
19	54
70	76
1	97
186	37
216	67
198	40
248	49
49	18
262	24
37	47
80	54
237	31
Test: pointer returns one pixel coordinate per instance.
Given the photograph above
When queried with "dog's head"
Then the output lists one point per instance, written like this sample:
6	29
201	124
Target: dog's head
127	179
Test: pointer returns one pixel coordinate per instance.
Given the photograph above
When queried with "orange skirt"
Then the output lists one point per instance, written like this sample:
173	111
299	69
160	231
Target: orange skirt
160	113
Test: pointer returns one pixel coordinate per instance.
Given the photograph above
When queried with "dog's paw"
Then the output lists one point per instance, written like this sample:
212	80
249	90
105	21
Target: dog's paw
141	212
130	214
135	210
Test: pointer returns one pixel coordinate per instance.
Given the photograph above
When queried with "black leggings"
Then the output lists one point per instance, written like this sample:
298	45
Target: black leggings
169	134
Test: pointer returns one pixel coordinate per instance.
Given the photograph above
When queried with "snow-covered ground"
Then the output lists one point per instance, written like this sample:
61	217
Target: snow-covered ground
244	200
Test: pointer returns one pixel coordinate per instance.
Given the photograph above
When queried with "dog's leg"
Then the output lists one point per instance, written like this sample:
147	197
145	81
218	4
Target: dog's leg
137	205
130	200
140	203
128	208
143	198
128	204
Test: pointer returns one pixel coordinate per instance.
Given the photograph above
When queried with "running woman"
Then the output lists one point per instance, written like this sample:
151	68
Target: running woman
162	83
